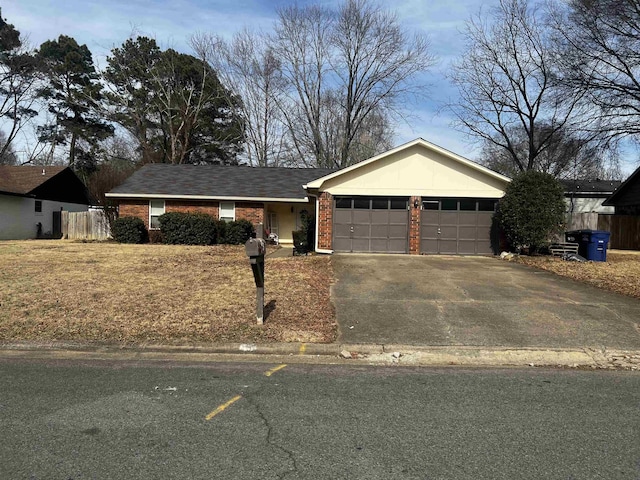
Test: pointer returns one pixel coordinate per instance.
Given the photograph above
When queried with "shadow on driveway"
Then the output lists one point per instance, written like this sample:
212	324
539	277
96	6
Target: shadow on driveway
474	301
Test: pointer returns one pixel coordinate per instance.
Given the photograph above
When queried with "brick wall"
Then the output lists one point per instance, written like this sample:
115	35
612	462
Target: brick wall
184	206
414	225
325	221
134	208
252	211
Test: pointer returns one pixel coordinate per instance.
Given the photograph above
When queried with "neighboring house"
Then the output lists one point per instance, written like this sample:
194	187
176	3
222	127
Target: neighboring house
626	199
588	196
416	198
31	199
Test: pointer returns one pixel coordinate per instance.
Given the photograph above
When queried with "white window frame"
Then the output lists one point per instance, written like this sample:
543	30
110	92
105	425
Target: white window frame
35	208
152	215
229	207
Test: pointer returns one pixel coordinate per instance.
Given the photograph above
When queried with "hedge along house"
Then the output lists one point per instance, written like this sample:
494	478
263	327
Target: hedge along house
31	199
416	198
271	198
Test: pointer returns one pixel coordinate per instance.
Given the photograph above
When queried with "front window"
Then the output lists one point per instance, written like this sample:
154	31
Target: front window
227	211
38	206
156	208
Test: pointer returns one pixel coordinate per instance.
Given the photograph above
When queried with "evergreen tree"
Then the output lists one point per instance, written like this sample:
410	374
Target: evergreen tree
73	94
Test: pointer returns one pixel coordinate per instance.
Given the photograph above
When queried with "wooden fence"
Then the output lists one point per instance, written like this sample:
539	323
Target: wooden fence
91	225
625	230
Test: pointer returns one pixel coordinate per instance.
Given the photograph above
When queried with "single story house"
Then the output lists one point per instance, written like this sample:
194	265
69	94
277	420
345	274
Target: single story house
416	198
31	199
626	199
588	196
271	198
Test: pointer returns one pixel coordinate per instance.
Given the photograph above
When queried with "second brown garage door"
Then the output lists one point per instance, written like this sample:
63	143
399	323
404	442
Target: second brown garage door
371	224
456	226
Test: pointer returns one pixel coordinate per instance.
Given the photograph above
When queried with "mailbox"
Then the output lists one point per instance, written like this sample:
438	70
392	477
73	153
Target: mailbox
255	249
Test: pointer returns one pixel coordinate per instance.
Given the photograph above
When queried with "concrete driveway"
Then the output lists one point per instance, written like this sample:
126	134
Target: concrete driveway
475	301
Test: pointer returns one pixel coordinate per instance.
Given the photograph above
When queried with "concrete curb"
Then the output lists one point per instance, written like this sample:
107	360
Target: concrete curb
372	354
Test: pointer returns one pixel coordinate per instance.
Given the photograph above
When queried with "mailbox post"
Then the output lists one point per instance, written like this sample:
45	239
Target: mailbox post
255	250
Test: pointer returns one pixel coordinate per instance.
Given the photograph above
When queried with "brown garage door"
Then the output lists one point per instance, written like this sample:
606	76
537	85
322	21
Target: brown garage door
456	226
370	224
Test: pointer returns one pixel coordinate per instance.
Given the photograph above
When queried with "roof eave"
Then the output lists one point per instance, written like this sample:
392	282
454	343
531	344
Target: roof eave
206	197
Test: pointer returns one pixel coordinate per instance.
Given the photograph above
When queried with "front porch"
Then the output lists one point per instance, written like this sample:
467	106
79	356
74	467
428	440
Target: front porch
284	218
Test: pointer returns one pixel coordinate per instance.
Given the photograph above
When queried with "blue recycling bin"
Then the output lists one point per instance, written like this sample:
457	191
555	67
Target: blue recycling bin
592	244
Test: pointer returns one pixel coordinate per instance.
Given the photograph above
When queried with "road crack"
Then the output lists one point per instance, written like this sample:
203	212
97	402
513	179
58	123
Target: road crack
270	438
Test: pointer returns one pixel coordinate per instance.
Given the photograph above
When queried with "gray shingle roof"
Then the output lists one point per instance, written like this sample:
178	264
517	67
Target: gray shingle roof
219	181
590	187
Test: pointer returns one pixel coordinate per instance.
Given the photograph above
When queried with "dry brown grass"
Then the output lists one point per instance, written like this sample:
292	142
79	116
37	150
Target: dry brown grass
136	294
620	273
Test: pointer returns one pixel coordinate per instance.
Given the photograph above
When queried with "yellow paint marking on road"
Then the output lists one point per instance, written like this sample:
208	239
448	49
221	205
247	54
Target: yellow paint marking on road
222	407
303	348
274	370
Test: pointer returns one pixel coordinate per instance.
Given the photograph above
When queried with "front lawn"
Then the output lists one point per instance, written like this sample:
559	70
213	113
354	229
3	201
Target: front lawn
137	294
620	273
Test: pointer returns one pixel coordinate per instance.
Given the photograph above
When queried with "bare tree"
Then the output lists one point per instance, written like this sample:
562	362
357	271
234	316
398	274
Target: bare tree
376	63
7	156
248	67
566	156
344	68
505	80
18	81
599	56
302	43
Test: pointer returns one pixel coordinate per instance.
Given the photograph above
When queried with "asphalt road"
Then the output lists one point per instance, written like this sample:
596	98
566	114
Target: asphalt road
99	420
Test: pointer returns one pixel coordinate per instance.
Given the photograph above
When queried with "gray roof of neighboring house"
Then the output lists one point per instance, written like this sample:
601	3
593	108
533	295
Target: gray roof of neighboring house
219	181
591	188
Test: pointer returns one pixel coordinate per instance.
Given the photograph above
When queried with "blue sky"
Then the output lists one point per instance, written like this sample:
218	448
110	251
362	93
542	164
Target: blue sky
103	25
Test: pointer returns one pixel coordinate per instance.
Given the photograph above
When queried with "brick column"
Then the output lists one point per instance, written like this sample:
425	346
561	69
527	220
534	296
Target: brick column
414	225
325	221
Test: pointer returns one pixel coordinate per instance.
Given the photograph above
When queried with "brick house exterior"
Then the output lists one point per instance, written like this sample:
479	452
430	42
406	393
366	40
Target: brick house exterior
272	199
252	211
417	198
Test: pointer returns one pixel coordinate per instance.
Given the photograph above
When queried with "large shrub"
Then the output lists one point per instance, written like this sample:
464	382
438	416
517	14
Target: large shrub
129	230
180	228
237	232
532	210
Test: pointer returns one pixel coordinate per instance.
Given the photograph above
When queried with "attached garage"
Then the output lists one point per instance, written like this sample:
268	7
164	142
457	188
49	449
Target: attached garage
456	226
371	224
417	198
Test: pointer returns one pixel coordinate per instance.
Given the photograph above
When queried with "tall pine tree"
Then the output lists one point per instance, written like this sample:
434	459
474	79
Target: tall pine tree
73	94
